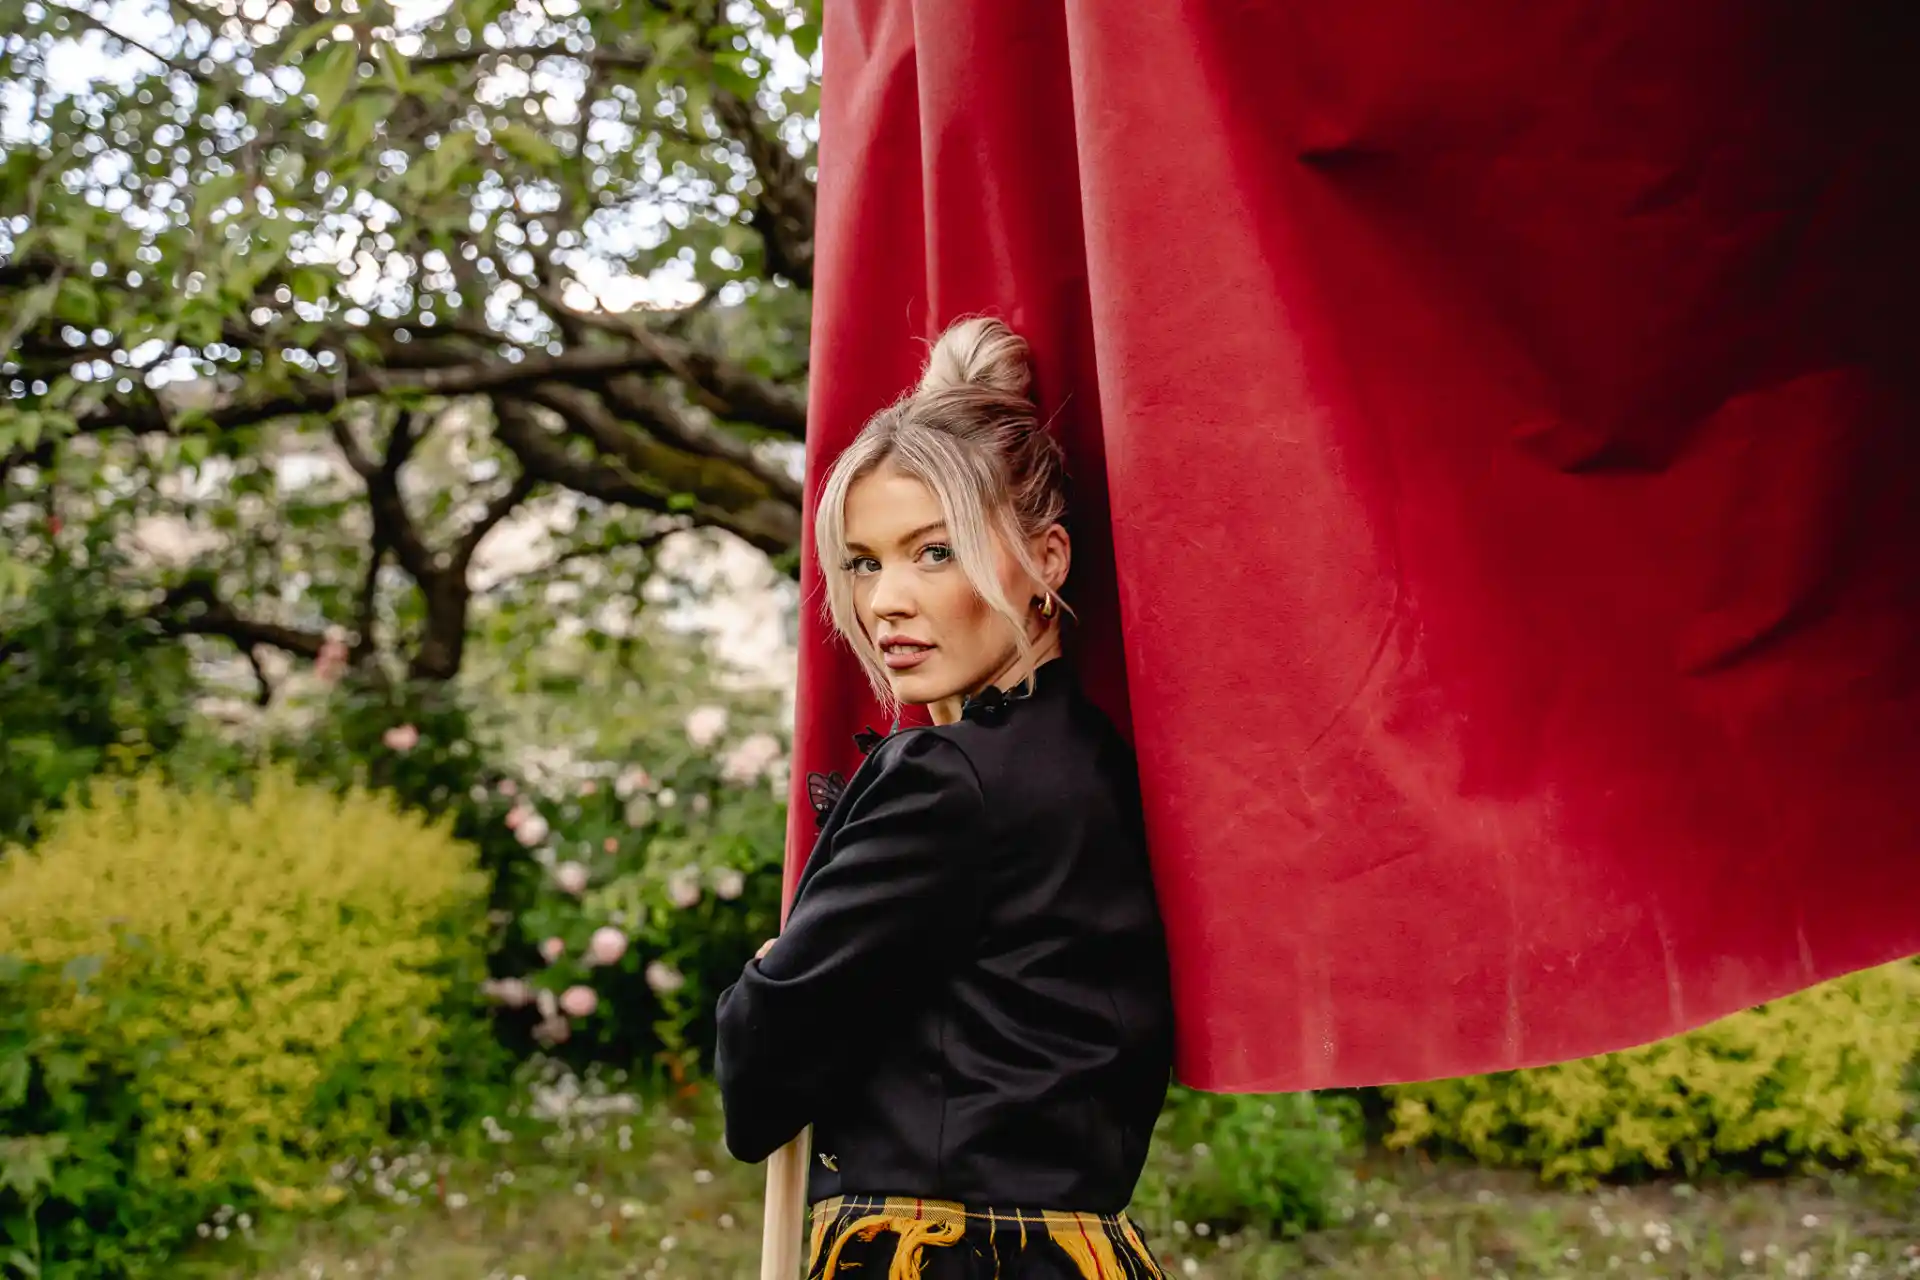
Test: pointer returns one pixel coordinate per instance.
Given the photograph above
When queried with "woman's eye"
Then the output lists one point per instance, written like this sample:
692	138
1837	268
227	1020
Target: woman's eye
861	565
937	553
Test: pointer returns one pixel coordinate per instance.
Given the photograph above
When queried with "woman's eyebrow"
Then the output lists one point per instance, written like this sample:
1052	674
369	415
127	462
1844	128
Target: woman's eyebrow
913	536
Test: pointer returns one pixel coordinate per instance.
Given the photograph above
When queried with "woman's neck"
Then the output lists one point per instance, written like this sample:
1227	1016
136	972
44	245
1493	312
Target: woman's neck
1016	672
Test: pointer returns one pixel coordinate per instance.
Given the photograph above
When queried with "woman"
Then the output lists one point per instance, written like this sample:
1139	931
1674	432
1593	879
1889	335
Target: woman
969	1003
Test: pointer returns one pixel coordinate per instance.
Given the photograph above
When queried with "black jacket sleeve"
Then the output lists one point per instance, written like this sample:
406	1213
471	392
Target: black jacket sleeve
896	890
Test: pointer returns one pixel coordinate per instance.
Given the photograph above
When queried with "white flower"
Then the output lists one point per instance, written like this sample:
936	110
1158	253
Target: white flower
683	889
571	877
579	1002
705	725
552	949
531	829
607	945
750	758
668	798
631	782
729	884
639	810
664	978
515	993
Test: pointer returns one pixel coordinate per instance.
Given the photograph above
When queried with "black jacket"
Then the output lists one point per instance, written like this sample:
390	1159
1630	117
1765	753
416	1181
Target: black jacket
970	999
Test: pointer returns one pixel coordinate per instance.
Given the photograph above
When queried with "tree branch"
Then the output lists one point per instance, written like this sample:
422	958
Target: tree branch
88	20
480	376
783	215
763	523
723	387
193	608
392	525
617	59
502	506
647	405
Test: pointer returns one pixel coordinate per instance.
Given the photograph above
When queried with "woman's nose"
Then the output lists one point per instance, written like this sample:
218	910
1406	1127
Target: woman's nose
891	598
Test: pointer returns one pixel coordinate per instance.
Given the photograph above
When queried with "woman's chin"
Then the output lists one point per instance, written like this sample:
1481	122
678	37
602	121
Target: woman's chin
917	688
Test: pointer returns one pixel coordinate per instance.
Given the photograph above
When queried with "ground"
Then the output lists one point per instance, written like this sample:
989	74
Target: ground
583	1181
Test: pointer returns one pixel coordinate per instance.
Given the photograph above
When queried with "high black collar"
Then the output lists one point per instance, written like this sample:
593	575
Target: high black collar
992	704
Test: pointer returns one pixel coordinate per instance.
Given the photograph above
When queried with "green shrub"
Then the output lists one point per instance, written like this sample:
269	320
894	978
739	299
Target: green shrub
85	682
75	1199
1818	1079
1275	1162
278	980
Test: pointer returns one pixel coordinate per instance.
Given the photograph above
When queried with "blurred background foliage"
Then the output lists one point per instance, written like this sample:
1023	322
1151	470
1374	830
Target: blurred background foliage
401	409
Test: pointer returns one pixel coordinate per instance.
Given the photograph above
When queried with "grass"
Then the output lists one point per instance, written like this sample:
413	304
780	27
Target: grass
580	1180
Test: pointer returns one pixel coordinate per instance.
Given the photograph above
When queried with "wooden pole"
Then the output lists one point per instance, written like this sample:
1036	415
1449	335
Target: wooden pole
786	1210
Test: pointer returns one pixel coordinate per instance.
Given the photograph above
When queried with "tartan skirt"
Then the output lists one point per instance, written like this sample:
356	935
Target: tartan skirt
893	1238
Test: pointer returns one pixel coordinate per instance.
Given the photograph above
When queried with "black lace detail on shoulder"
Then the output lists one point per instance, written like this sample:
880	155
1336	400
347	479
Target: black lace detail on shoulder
823	792
825	789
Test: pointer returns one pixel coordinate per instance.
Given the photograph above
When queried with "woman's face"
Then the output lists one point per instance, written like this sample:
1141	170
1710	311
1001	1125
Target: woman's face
939	640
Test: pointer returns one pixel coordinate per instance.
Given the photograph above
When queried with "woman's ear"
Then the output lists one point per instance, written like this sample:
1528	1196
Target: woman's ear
1055	556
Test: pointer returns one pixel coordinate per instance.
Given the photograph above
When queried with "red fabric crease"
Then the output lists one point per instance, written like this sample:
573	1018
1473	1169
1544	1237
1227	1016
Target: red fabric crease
1502	420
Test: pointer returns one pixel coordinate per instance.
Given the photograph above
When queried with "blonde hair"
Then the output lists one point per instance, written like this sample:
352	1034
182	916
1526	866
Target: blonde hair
971	433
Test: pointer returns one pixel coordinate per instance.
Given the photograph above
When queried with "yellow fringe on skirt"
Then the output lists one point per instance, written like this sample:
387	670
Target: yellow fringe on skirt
1096	1246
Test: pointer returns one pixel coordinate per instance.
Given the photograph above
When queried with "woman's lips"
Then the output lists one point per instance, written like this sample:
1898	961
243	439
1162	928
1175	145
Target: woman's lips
904	655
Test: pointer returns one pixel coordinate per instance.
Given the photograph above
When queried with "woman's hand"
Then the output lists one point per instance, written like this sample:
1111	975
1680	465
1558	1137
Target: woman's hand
765	947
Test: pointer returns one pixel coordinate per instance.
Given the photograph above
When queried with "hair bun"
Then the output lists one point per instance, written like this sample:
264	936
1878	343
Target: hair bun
981	352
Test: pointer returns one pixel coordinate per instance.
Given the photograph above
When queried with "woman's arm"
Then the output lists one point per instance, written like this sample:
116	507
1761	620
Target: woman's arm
899	887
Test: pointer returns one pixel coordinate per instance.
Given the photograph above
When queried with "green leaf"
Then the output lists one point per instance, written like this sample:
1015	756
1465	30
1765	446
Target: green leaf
78	303
20	431
310	284
329	74
360	121
394	69
806	39
37	302
69	242
478	13
735	81
668	46
435	173
527	146
308	37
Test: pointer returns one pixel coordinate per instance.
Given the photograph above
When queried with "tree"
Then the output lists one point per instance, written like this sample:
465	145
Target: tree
326	274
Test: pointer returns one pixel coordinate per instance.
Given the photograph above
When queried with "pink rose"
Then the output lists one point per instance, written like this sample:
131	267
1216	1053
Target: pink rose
571	877
610	844
531	829
579	1002
730	885
515	993
664	978
402	737
516	816
607	945
552	949
508	788
588	787
331	662
683	890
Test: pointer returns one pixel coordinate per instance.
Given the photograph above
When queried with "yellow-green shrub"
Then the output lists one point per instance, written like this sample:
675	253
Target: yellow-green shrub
1819	1078
306	958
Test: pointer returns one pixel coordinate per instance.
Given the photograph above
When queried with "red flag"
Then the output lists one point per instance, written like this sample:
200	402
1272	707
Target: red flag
1503	420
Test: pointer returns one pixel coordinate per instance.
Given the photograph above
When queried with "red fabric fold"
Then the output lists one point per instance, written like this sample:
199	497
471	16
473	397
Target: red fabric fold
1497	489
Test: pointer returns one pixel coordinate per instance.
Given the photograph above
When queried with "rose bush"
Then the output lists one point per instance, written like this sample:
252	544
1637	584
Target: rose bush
658	876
